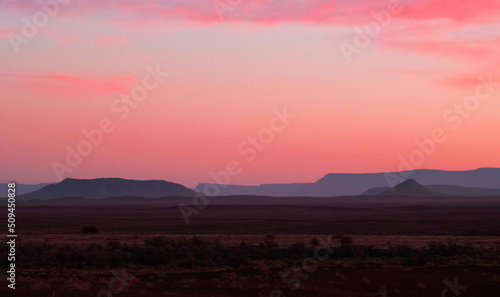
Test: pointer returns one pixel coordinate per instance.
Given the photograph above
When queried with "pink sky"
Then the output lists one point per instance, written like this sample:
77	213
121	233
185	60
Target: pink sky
229	68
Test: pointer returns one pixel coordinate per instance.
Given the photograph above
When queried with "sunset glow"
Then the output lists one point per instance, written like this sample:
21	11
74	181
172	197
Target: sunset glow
433	64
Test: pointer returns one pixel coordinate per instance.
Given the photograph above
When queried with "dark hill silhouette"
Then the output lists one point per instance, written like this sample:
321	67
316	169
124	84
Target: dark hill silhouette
108	187
121	200
352	184
411	188
448	190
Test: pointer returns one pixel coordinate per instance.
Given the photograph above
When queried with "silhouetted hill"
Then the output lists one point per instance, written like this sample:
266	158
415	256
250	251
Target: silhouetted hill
108	187
121	200
448	190
351	184
411	188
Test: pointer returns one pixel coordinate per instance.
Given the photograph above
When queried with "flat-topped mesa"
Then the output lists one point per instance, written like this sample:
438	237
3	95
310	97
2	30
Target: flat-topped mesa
109	187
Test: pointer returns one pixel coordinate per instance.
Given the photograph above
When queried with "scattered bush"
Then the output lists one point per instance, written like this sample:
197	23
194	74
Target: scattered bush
270	240
346	240
114	244
315	241
76	285
195	252
89	230
40	285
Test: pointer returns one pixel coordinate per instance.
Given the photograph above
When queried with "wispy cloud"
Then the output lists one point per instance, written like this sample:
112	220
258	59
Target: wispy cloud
461	11
471	51
277	11
69	85
106	40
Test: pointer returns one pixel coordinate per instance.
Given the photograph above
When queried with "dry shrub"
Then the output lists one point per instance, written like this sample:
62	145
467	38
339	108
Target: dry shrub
346	240
40	285
315	242
89	230
270	240
262	269
231	276
231	280
114	244
76	285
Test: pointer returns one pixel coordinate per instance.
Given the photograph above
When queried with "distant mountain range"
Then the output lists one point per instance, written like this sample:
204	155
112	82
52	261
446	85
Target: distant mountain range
108	187
447	190
480	182
472	182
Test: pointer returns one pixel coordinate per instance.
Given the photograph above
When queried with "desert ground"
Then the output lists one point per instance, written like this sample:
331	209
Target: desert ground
381	247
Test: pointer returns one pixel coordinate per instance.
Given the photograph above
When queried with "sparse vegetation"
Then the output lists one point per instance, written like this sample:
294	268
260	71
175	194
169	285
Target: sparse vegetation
239	259
89	230
346	240
195	252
